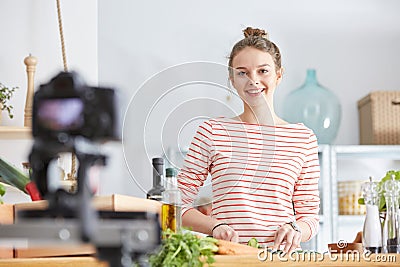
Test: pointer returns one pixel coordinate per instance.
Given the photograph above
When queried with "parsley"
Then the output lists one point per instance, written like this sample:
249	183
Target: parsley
184	249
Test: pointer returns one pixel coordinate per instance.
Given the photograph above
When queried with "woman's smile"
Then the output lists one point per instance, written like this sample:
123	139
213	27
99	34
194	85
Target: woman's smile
254	92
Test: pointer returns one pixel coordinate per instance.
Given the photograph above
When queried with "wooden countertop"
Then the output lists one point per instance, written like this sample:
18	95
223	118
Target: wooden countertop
53	262
125	203
221	261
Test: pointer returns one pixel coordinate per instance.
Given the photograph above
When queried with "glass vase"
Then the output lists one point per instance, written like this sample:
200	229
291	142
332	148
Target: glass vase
315	106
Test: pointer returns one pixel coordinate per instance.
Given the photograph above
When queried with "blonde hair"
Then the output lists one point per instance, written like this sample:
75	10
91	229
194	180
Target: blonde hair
258	39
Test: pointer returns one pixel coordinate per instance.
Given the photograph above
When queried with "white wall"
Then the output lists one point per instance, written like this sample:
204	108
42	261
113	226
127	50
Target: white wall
353	45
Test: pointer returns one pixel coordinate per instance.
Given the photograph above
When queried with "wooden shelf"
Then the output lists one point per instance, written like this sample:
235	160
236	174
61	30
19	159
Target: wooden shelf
15	132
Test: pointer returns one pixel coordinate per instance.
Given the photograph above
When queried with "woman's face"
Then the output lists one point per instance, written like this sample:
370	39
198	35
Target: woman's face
254	76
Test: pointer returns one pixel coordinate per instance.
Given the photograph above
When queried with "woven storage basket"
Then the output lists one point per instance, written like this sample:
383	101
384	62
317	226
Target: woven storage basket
348	193
379	118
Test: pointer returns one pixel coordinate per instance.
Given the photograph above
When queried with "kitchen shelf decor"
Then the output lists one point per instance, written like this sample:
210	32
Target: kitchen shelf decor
315	106
346	153
379	118
30	62
18	132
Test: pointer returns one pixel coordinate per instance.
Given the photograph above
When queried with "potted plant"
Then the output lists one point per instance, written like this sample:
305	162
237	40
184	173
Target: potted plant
5	95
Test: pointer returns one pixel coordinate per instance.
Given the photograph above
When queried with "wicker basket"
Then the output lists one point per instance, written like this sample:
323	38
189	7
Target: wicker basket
379	118
348	193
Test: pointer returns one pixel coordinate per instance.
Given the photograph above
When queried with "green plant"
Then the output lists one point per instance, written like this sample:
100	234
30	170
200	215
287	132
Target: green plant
5	95
184	249
11	175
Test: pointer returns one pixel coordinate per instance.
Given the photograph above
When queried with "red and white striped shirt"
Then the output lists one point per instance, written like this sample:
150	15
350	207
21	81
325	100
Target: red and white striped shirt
263	176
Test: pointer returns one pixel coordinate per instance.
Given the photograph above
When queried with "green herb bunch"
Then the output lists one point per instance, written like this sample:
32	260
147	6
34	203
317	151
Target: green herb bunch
184	249
5	95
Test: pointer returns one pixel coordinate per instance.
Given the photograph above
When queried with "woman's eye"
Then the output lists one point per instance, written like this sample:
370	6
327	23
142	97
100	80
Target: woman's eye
264	71
241	73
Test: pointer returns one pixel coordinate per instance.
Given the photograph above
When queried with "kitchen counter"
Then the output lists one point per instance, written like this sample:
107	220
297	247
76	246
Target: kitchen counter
327	260
222	261
127	203
53	262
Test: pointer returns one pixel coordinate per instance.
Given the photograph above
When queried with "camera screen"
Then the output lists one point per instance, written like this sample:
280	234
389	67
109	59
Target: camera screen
61	114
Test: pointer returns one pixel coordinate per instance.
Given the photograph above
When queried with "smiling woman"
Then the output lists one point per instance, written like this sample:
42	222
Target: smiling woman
264	170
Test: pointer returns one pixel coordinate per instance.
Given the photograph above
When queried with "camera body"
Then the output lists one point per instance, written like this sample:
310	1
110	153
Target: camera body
66	107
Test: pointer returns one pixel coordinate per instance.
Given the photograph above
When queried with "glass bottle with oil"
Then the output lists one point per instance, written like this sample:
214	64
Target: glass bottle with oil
171	199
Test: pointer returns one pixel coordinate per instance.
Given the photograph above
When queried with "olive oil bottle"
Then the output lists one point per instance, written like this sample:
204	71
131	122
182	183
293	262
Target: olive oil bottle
171	207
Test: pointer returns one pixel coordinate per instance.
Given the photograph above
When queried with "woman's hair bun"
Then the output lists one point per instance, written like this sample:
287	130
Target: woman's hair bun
249	32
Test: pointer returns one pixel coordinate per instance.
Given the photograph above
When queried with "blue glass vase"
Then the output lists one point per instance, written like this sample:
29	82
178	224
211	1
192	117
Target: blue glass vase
315	106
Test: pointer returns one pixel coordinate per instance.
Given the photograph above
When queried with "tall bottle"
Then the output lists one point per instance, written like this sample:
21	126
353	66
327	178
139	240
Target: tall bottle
171	207
158	173
372	231
391	231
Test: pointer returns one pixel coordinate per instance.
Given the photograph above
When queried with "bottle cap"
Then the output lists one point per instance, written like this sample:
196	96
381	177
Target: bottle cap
169	172
158	161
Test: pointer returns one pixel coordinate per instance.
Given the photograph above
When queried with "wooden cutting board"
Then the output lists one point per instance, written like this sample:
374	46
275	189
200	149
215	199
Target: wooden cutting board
230	248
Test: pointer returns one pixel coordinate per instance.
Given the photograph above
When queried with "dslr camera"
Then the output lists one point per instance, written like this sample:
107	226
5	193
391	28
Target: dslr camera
66	107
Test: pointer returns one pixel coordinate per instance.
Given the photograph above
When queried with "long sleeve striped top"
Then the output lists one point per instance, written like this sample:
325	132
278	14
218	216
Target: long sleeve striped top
263	176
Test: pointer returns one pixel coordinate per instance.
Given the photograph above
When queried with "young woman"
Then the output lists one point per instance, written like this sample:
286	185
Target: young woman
264	170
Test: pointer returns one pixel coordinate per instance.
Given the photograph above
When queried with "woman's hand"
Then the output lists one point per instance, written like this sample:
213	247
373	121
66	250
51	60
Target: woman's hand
225	232
286	233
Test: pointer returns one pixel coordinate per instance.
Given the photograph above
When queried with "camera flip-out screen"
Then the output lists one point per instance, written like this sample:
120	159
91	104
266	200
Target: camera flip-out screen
61	114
